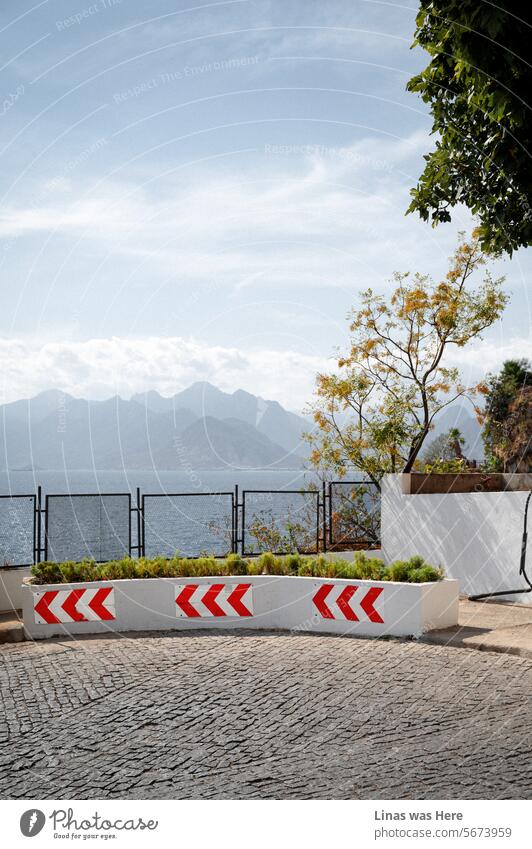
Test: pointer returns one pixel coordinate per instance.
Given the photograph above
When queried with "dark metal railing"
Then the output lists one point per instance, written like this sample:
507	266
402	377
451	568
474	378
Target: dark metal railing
105	526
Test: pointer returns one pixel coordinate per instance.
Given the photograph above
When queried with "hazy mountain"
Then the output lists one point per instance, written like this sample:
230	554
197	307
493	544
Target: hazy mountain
55	431
462	418
199	428
34	409
213	443
268	417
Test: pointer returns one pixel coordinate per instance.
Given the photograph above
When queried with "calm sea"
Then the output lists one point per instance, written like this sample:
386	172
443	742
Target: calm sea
56	482
192	524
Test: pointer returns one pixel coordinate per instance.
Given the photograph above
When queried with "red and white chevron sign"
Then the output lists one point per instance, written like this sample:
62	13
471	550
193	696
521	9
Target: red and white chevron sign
337	601
202	600
81	605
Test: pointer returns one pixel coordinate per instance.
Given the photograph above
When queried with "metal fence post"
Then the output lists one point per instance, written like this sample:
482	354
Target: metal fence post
330	516
139	526
324	514
243	520
37	527
318	522
234	530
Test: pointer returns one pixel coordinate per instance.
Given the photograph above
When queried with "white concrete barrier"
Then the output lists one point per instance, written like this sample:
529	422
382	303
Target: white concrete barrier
474	536
336	606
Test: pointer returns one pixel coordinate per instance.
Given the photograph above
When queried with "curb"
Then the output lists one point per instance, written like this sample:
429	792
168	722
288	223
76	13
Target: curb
11	632
455	641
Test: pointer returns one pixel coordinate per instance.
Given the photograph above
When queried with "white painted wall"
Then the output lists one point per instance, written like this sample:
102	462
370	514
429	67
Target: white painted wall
475	537
11	588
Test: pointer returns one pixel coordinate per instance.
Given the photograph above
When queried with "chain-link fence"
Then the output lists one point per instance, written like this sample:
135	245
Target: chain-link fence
18	528
354	511
192	524
280	521
95	527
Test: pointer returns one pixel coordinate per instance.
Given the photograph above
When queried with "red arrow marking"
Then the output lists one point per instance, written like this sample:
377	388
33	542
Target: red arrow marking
319	600
343	603
235	600
69	606
367	604
98	601
209	599
183	600
42	607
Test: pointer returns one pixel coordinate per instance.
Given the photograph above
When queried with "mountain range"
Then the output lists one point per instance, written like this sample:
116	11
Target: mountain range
198	428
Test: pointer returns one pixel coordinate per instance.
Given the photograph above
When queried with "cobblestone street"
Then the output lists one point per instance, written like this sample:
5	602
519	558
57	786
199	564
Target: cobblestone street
262	716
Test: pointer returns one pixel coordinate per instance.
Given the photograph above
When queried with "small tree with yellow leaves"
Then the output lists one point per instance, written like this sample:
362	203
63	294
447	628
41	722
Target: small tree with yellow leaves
374	413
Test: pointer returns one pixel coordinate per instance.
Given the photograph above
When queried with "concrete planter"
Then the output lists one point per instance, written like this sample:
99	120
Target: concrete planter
417	483
335	606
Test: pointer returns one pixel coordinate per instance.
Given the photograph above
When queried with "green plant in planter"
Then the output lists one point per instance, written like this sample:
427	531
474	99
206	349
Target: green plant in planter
306	568
397	571
413	571
292	563
267	563
236	564
369	568
271	564
362	568
425	574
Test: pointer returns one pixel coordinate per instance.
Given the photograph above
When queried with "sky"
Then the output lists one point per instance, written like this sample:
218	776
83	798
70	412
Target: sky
199	191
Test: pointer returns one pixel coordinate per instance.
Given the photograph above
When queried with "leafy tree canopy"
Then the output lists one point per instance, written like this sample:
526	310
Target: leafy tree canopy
502	391
478	84
375	411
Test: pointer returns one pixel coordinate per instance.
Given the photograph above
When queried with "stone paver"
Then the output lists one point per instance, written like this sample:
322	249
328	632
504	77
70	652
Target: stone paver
262	715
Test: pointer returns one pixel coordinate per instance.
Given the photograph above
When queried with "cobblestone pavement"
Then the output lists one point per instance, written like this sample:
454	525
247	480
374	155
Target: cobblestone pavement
262	716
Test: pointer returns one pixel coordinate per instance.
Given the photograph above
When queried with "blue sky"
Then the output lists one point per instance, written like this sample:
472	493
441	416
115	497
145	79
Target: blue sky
199	191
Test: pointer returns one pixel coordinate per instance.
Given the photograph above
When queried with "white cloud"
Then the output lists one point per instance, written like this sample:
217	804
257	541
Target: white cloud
100	368
488	355
316	215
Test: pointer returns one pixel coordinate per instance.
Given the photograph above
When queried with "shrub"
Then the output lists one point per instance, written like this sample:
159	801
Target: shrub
253	567
362	568
46	573
397	571
292	563
306	568
425	574
413	571
316	567
324	568
268	563
236	565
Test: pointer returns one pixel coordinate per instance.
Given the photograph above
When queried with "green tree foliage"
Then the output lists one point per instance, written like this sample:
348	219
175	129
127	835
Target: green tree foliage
503	389
478	84
376	410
